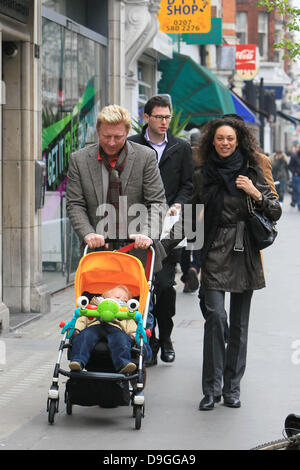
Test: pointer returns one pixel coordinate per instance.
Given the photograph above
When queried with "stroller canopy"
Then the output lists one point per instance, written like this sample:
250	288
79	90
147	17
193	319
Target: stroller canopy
102	270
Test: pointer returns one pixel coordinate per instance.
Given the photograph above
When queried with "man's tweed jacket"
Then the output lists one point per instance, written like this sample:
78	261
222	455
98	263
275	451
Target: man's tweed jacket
141	183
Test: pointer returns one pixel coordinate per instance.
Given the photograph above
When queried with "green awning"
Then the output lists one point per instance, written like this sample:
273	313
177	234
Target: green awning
194	89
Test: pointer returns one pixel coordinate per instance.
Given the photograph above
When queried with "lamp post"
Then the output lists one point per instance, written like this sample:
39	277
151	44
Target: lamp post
261	116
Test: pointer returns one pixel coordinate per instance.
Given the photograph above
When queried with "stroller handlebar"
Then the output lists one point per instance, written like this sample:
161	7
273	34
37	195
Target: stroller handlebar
128	241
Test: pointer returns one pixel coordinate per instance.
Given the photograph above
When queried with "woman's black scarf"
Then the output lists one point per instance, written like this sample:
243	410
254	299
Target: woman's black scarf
219	175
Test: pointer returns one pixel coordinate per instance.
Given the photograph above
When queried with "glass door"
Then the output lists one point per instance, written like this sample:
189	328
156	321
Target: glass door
73	89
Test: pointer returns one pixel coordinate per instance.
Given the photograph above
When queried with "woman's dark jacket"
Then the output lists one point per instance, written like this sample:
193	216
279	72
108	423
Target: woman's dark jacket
224	268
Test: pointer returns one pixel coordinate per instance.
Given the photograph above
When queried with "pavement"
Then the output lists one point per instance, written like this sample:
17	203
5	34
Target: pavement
270	387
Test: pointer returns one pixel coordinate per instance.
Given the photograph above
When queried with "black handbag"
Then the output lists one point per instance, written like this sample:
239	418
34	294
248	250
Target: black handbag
262	230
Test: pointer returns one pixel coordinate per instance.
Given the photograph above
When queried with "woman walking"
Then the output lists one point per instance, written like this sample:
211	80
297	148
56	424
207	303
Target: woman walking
230	261
280	172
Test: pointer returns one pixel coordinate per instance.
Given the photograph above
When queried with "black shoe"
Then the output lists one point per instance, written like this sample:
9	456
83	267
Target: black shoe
208	402
232	402
167	351
193	281
186	288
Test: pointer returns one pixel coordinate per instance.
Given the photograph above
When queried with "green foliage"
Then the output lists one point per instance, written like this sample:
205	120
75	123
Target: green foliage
291	22
48	117
176	126
137	126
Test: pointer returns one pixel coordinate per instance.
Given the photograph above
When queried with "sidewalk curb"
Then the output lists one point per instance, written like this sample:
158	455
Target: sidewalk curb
17	320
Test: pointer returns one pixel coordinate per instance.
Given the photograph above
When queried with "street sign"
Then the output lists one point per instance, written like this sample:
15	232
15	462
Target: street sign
246	61
185	16
214	36
245	56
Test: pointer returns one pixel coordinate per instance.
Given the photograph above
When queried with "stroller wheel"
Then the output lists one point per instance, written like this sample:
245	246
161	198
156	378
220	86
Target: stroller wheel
138	413
68	404
69	407
52	408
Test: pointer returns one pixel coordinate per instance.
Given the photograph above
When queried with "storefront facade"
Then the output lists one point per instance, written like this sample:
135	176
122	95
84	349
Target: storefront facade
86	65
74	89
54	82
21	285
62	61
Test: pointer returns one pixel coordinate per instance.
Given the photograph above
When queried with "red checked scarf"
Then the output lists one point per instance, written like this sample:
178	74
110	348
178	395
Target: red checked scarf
114	166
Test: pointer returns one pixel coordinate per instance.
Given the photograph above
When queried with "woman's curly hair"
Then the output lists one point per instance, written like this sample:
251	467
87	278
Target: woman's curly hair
247	143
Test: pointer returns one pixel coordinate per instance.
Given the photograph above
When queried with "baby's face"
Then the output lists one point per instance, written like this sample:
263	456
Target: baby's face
119	294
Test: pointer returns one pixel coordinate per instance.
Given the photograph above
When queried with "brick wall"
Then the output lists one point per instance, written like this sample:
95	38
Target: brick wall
250	6
228	17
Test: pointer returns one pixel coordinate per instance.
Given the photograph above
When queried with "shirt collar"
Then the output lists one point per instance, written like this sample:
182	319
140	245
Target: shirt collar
112	160
147	137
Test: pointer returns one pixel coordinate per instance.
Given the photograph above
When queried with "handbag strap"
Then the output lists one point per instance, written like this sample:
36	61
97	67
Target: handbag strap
250	204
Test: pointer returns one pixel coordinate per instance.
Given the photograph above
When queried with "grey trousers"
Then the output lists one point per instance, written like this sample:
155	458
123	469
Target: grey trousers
224	366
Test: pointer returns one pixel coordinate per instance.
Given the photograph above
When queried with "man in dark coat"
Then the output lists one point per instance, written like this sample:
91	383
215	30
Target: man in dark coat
175	164
294	167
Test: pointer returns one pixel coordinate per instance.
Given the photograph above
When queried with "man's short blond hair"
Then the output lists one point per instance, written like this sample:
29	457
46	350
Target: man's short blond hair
114	114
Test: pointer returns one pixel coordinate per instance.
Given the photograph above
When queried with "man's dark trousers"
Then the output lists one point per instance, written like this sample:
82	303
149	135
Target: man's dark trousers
165	296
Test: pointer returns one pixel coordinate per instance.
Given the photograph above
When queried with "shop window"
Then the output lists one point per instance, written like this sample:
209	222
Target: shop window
263	35
278	53
89	13
242	27
146	81
73	92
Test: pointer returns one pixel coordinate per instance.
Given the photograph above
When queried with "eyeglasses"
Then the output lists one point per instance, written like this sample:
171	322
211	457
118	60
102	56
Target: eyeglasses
161	118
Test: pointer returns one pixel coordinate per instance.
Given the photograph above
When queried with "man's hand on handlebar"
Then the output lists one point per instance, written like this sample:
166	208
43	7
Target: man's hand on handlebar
141	241
94	240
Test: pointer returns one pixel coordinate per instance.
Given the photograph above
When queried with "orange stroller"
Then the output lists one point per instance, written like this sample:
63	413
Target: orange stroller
99	384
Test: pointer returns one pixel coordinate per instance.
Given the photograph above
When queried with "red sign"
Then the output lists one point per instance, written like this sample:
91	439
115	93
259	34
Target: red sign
246	56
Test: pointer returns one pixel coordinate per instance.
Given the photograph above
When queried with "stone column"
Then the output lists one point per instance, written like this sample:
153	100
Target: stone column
141	27
116	52
4	312
132	26
40	297
23	290
12	183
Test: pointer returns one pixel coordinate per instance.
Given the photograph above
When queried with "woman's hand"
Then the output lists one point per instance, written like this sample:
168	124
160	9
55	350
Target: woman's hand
174	210
245	183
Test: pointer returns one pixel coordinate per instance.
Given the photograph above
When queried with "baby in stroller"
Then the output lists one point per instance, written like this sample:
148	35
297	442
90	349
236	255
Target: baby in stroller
120	335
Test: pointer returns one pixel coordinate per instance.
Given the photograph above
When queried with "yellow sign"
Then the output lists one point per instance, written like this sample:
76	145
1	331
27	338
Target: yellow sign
185	16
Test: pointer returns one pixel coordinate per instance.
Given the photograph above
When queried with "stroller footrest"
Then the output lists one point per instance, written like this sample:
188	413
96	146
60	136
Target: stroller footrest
109	376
